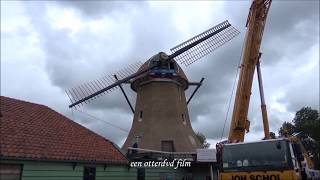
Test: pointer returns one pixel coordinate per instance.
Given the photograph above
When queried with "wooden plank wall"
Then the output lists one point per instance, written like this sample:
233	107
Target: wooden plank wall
33	170
64	171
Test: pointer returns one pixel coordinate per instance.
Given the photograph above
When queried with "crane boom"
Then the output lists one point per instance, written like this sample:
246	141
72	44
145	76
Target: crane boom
263	104
274	158
255	25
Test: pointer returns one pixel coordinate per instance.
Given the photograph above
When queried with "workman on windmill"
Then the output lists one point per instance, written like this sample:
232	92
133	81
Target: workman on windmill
135	145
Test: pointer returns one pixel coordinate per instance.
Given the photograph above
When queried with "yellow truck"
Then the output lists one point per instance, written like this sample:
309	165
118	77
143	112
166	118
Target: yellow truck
274	159
268	159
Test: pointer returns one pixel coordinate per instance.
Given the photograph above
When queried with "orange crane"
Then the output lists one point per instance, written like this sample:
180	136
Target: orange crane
255	23
272	159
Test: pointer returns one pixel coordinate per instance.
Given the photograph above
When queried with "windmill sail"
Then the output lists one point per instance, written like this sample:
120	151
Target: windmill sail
186	53
78	93
211	40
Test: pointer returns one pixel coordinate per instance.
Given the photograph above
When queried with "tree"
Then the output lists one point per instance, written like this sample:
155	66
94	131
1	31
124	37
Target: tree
203	140
307	120
307	123
286	129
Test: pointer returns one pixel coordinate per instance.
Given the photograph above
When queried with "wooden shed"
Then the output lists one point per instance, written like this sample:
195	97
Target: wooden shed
38	143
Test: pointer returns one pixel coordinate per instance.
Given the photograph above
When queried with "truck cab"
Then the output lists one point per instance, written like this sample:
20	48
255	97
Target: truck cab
273	159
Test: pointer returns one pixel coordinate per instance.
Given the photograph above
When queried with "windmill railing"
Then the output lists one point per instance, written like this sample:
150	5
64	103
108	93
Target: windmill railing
148	154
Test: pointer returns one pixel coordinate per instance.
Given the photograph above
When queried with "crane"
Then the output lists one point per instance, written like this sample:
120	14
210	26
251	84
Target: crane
272	159
250	61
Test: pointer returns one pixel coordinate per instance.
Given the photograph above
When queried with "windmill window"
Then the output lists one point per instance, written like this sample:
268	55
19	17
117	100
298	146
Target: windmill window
183	119
172	66
167	146
164	70
153	62
180	95
177	68
140	116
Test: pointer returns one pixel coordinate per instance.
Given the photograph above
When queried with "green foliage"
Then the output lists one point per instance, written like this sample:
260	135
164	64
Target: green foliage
286	128
307	121
203	140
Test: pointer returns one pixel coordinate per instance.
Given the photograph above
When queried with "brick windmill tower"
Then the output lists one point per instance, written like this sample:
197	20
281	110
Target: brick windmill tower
161	119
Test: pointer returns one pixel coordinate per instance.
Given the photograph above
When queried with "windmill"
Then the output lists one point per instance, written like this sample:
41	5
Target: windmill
161	119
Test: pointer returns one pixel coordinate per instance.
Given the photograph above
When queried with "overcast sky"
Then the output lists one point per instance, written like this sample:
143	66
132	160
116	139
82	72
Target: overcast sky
48	47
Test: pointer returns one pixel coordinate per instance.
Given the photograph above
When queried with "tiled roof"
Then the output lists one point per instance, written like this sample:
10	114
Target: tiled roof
34	131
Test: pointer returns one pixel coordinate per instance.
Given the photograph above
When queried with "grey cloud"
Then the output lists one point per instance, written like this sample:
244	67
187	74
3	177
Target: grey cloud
141	32
98	9
114	100
288	25
72	62
284	16
302	94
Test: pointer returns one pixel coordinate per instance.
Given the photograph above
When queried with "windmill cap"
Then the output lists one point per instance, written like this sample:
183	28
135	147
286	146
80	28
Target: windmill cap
177	73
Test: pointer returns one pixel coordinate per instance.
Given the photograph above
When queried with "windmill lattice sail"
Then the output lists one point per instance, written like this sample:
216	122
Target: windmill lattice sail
186	53
212	41
77	93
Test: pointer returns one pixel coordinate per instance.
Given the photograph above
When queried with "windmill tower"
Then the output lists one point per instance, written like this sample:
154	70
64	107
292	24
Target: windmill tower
161	119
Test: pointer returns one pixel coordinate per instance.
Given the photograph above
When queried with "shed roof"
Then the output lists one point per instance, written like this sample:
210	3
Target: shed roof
36	132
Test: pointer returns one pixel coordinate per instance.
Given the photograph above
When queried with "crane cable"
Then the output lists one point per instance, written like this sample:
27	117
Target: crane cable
96	118
233	87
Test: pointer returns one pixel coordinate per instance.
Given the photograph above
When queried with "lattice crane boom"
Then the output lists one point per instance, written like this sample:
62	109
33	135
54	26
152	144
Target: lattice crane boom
255	26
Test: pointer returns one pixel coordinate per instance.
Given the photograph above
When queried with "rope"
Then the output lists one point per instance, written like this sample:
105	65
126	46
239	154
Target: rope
96	118
233	87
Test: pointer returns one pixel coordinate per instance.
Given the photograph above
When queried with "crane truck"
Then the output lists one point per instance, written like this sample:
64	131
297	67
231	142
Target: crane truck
268	159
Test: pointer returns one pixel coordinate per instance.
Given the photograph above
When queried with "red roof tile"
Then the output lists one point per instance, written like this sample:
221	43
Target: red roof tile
34	131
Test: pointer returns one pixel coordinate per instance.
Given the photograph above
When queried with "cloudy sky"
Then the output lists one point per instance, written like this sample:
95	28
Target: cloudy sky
48	47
